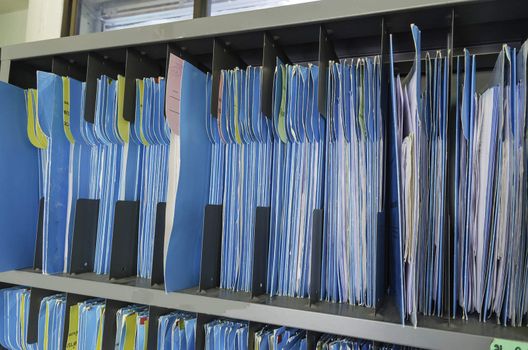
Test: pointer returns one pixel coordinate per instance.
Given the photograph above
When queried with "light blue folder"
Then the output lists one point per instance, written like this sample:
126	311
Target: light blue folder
18	183
50	113
182	263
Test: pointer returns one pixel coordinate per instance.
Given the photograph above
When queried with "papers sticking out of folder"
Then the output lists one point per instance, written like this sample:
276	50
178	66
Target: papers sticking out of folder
420	132
490	270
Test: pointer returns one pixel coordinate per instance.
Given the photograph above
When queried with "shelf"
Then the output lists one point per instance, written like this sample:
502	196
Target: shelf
342	319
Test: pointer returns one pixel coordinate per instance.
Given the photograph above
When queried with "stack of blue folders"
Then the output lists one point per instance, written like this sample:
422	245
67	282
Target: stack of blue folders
271	337
151	135
108	160
51	322
332	342
90	324
354	182
420	133
14	312
131	327
491	242
132	164
176	331
240	170
223	335
297	175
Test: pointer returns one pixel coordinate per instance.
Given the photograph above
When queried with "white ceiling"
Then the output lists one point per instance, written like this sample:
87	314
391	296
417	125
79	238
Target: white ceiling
13	5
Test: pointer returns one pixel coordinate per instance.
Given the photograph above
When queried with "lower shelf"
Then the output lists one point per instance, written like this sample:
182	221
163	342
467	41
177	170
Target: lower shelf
342	319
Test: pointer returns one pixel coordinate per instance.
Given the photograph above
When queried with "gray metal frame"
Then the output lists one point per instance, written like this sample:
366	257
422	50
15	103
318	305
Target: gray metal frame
312	12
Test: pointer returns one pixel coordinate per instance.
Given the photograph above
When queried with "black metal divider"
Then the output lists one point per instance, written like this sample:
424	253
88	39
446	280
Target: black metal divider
326	54
449	194
271	51
260	251
311	339
37	260
84	236
152	335
137	66
252	329
201	321
211	248
223	58
315	270
109	325
65	68
96	66
22	74
36	296
159	239
123	258
71	300
382	239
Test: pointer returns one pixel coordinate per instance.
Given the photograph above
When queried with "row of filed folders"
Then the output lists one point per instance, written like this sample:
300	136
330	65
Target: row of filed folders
85	323
340	206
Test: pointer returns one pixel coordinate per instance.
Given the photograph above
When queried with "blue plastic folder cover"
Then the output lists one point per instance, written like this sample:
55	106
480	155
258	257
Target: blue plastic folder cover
50	114
18	183
182	259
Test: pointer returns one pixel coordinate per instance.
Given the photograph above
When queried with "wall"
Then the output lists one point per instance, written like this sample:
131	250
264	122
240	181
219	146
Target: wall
44	19
13	27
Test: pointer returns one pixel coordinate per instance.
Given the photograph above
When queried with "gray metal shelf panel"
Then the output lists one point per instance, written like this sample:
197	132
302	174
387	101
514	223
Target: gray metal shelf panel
317	11
353	321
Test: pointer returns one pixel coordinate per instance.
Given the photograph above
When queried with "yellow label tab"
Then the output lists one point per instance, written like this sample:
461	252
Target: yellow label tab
238	139
503	344
282	110
66	108
99	344
46	328
73	328
123	125
130	332
23	319
141	94
35	134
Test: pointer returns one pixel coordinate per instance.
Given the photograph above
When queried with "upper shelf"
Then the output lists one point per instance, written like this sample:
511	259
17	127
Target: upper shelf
342	319
400	12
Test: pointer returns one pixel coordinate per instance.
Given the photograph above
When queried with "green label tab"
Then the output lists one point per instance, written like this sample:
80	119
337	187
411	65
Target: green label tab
503	344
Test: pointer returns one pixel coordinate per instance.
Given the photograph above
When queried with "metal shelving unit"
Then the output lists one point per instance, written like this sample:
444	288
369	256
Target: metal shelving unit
355	29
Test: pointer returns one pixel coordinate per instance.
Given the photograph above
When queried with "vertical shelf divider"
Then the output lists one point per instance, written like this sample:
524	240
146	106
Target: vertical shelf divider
95	67
223	58
211	248
326	54
271	52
